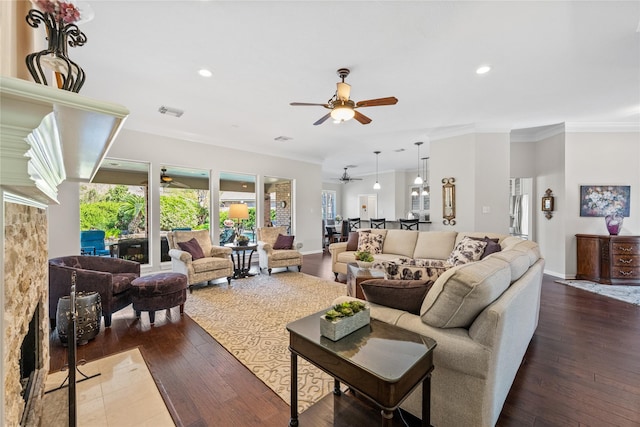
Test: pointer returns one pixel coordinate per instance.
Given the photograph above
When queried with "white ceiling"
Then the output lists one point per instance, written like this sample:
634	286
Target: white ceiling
552	62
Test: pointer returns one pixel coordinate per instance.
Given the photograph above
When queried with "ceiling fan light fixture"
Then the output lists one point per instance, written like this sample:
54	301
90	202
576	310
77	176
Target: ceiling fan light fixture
342	113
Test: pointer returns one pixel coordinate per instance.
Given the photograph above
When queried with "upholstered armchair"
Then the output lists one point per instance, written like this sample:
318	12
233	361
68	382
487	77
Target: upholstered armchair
215	261
270	257
110	277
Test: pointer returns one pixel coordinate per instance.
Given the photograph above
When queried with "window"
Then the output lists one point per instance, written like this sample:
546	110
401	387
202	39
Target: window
116	203
328	204
237	189
184	202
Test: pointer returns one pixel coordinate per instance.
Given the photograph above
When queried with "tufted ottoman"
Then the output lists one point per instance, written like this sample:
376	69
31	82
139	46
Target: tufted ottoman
158	292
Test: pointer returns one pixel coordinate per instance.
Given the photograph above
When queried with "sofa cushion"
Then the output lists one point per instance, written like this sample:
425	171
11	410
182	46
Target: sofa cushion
283	242
518	262
462	292
400	242
193	247
434	244
401	294
414	269
466	251
209	264
370	242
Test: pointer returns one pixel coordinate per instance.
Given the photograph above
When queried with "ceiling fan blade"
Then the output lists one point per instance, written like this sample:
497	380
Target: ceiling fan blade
305	104
361	118
376	102
344	90
322	119
179	184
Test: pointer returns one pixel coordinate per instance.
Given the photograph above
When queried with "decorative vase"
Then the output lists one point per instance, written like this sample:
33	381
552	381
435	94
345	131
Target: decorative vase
69	76
364	264
614	223
89	314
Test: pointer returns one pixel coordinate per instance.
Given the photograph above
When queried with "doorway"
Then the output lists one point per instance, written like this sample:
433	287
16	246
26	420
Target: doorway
368	206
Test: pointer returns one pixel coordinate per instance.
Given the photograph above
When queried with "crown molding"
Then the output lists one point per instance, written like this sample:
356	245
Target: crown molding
580	127
536	134
48	135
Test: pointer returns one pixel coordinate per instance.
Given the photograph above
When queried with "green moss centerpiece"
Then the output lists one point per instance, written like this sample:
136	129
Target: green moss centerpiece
364	259
344	318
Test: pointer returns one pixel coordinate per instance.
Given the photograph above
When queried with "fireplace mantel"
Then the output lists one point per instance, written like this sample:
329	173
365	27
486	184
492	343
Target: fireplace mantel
48	135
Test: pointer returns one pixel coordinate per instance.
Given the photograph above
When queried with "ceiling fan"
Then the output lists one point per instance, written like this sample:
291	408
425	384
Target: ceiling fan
342	108
345	177
166	180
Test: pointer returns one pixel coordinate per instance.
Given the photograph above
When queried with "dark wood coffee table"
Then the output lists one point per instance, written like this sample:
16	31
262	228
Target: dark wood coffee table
357	275
367	361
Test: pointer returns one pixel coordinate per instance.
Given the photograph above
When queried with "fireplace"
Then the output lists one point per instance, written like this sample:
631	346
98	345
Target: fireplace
26	321
31	373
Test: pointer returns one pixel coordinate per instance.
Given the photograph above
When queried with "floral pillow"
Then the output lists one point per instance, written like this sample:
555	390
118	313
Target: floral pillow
414	269
466	251
370	242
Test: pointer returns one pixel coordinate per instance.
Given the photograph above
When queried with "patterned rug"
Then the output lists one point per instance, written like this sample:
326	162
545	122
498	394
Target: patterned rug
630	294
249	319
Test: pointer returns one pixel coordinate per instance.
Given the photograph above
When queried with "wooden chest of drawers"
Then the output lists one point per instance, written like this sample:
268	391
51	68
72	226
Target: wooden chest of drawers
612	260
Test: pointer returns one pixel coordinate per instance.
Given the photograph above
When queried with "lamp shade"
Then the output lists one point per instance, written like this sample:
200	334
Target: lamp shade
238	211
342	113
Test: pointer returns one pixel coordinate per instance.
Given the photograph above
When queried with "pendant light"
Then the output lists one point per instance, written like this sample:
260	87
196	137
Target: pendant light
376	186
418	180
425	188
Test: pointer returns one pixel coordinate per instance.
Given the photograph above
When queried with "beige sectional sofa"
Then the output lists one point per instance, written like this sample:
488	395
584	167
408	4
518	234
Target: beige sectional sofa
482	315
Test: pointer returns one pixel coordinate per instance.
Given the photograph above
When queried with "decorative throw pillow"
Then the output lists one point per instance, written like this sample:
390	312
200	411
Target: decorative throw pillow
404	295
467	250
352	242
492	246
283	242
370	242
414	269
193	247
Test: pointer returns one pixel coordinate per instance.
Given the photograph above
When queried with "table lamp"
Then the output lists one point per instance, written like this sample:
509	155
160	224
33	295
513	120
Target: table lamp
238	211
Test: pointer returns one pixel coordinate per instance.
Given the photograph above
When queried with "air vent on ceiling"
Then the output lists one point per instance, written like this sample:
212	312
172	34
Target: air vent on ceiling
282	138
170	111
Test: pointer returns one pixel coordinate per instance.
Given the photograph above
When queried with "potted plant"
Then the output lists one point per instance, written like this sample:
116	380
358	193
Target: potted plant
364	259
242	240
344	318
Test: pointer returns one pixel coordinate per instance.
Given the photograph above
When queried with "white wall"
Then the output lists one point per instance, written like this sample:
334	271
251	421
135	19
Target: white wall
550	165
160	151
492	182
480	165
599	158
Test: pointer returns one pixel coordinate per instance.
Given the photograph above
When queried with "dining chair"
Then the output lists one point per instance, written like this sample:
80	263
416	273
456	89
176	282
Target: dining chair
378	223
354	223
408	224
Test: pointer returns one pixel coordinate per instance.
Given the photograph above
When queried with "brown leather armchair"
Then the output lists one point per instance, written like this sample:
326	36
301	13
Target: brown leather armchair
110	277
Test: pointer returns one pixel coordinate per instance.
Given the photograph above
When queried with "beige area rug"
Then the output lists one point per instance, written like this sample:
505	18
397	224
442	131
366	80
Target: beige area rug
630	294
249	319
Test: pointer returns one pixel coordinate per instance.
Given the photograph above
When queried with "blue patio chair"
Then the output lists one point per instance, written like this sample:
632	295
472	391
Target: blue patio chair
92	243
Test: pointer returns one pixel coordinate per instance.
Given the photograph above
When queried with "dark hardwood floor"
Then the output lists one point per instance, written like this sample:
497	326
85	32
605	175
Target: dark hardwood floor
582	367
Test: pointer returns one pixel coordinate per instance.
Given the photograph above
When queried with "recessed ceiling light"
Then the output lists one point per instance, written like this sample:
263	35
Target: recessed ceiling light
483	70
205	73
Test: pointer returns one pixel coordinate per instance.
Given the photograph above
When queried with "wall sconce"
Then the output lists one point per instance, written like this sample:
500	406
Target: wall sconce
547	204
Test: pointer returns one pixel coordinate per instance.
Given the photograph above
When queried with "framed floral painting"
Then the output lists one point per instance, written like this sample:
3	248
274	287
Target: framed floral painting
603	200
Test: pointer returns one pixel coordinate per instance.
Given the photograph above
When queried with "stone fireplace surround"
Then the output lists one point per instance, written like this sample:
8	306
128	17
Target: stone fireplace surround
47	136
25	290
